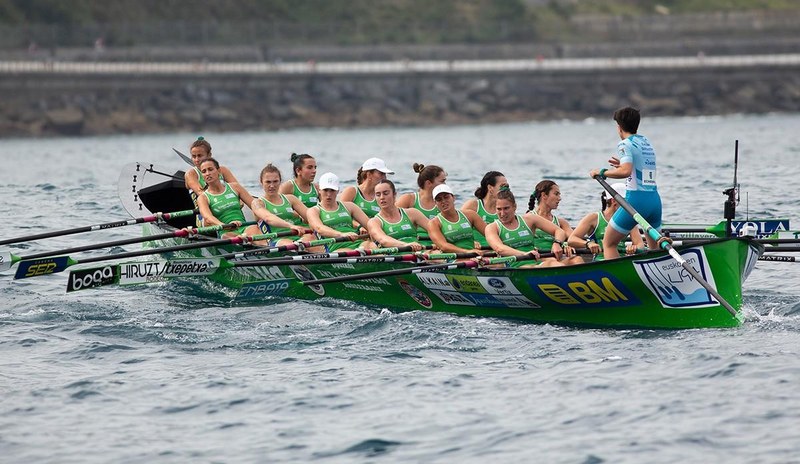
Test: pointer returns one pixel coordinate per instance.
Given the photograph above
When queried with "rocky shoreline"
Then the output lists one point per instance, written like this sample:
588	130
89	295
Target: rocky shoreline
53	105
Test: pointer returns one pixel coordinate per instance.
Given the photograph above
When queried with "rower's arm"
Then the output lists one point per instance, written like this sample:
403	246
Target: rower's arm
438	239
261	212
192	181
299	207
376	234
494	241
205	210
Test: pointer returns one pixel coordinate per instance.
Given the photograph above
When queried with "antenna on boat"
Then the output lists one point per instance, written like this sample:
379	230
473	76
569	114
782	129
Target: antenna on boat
732	193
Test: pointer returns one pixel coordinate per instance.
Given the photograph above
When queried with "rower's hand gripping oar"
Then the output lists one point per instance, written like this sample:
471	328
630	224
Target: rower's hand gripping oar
30	266
655	235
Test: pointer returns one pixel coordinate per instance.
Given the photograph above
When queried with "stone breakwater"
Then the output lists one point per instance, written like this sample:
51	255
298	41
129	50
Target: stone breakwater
92	103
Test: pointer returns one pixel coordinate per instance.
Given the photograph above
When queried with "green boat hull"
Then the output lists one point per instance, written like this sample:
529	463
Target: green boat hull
644	291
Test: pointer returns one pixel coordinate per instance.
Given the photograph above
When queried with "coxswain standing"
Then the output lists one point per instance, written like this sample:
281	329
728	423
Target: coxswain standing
636	162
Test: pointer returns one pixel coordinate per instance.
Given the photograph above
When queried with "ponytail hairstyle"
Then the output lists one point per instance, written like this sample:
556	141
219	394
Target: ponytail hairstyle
270	168
541	188
216	163
604	201
490	178
505	193
201	142
298	161
360	175
390	183
426	173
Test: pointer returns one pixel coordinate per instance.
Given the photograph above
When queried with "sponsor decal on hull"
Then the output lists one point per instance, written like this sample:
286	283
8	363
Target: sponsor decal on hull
492	292
415	294
595	289
673	285
262	289
302	273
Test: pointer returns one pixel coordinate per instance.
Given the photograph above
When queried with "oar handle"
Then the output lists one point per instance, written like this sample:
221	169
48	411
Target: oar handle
95	227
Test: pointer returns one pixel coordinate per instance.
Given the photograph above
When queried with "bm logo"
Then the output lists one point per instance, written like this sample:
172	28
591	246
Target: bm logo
592	289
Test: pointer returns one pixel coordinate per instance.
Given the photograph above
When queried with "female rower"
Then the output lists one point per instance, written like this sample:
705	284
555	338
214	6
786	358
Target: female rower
393	226
201	151
285	206
590	231
332	218
451	229
636	162
372	172
429	177
548	196
484	201
220	204
302	186
511	234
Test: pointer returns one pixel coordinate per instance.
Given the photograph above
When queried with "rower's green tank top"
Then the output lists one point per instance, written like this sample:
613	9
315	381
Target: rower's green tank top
284	211
226	207
521	238
403	230
428	213
543	240
193	194
488	218
370	207
457	233
599	232
340	220
310	198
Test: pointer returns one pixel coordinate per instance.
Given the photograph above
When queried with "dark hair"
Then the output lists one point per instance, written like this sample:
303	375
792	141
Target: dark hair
426	173
628	119
360	175
391	184
298	161
216	163
270	168
541	188
201	142
490	178
507	194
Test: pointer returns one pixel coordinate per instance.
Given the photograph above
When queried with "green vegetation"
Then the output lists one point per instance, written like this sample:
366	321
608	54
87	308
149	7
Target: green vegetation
220	22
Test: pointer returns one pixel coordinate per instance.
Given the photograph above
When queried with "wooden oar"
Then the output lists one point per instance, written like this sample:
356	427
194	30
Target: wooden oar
655	235
49	263
92	228
418	269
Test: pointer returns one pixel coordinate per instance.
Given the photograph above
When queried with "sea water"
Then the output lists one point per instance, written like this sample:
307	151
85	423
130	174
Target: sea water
177	373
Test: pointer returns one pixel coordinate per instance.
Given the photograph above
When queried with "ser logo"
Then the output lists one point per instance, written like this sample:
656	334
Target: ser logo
78	280
40	269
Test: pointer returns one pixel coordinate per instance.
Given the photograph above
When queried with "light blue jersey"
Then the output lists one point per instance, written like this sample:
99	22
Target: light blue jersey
641	192
637	150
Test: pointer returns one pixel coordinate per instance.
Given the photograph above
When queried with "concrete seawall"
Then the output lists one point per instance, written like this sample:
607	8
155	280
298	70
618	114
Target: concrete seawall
52	99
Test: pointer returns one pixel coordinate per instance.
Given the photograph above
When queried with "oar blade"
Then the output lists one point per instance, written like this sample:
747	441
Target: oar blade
44	266
82	279
7	260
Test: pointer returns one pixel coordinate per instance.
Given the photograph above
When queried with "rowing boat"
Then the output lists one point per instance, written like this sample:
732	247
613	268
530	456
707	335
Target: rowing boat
650	290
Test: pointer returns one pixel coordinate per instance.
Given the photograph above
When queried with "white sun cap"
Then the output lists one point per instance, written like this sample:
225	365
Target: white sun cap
619	187
330	181
376	163
442	188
